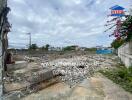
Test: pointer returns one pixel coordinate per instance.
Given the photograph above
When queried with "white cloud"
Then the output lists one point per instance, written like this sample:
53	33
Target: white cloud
19	1
61	22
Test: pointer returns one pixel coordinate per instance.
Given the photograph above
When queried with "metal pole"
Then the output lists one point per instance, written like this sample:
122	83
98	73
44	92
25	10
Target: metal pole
30	39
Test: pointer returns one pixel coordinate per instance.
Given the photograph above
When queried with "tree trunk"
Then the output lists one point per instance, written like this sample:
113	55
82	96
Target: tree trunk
3	4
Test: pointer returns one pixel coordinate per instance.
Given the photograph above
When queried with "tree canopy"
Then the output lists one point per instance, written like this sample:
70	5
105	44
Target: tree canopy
117	43
126	29
123	31
33	47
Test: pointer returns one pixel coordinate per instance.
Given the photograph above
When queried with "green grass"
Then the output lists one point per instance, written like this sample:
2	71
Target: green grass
121	76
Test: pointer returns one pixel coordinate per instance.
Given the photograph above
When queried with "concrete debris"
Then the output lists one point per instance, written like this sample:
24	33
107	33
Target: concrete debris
70	70
14	95
17	65
41	76
74	70
31	59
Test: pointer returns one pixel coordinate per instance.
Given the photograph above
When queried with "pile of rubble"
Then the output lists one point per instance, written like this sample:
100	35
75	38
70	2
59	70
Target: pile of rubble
70	70
74	70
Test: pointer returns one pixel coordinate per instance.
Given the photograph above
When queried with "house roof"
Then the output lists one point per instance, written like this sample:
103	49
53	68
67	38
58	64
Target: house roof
117	7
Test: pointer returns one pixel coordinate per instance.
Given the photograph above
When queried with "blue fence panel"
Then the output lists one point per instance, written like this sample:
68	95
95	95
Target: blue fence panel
104	51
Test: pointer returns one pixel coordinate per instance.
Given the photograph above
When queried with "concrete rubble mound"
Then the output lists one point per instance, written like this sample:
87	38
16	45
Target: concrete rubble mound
74	70
41	73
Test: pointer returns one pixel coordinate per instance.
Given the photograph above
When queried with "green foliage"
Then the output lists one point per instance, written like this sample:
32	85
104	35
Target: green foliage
117	43
47	47
126	28
69	48
121	76
33	47
90	49
43	47
125	31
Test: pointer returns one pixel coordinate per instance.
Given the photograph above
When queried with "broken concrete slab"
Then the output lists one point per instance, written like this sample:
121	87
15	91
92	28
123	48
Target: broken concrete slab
17	65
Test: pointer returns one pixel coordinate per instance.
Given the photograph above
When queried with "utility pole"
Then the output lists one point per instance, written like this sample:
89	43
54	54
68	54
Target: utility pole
4	26
30	39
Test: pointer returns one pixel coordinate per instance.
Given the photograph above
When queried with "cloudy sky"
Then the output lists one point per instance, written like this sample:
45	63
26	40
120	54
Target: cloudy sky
61	22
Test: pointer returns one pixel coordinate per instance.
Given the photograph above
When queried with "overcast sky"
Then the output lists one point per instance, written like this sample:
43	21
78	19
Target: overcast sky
61	22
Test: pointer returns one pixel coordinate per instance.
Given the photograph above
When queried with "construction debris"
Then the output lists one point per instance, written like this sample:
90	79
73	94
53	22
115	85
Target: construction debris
41	73
74	70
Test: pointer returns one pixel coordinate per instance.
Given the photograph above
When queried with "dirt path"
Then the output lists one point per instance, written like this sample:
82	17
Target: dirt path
113	91
95	88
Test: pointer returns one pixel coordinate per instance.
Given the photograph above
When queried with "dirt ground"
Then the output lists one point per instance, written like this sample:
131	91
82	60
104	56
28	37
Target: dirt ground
97	87
93	86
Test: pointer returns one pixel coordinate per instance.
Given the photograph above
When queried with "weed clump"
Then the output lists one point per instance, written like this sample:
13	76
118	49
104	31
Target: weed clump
121	76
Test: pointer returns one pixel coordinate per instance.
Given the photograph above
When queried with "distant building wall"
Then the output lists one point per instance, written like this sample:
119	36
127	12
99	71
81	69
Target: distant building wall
125	53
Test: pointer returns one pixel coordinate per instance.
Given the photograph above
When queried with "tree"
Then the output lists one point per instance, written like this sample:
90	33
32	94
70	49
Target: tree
33	47
43	47
69	48
123	30
47	47
90	49
117	43
126	29
4	29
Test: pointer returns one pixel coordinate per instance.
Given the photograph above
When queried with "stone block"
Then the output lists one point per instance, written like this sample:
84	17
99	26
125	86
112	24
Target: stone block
17	65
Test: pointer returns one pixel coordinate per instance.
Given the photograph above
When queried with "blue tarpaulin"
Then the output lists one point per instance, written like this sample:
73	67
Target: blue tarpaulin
104	51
